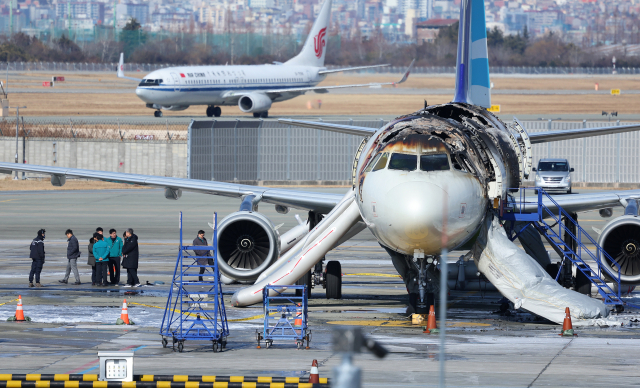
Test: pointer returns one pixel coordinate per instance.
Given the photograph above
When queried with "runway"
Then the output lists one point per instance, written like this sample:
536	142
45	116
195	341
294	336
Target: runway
70	323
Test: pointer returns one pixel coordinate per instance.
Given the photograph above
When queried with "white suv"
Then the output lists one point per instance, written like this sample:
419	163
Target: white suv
554	175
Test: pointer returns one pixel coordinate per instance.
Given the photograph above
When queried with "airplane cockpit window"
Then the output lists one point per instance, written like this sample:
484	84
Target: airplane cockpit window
405	162
150	82
382	162
434	162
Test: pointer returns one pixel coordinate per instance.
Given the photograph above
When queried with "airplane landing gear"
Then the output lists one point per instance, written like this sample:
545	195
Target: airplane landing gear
213	111
261	115
157	113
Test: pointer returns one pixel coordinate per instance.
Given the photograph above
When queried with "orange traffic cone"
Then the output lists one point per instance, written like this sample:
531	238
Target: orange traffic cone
125	314
431	328
19	312
567	327
298	320
314	377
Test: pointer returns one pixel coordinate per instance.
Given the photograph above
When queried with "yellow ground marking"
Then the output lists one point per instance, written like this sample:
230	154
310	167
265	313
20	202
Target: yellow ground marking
392	323
9	200
2	304
383	275
193	315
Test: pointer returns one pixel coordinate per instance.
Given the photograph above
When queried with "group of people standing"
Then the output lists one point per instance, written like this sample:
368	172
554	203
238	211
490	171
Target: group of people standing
106	255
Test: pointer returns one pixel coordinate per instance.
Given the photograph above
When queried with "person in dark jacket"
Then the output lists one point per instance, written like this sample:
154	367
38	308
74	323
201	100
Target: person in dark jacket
101	254
37	256
201	240
73	252
130	258
92	259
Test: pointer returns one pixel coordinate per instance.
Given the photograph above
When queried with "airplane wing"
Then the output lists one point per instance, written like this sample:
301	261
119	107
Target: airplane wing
325	89
331	71
545	137
121	70
348	129
319	202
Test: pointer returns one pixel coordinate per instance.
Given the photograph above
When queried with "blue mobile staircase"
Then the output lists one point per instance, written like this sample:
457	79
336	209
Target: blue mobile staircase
195	308
285	316
572	247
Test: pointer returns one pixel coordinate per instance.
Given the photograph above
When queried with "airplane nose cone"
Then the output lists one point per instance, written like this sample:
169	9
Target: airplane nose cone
143	94
415	212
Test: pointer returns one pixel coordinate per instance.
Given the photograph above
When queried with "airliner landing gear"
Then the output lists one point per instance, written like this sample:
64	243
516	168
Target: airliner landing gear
157	113
213	111
261	115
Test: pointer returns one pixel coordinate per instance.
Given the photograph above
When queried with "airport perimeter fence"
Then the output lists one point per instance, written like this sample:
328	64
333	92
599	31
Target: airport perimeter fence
148	67
270	151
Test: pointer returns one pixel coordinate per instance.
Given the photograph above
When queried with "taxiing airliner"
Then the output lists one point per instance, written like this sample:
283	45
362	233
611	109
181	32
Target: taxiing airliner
254	88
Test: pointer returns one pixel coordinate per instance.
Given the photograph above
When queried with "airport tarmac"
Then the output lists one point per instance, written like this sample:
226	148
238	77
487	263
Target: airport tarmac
71	323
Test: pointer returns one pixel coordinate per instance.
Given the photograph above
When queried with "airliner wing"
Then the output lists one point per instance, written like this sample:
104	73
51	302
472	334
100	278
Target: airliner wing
121	70
331	71
348	129
319	202
324	89
545	137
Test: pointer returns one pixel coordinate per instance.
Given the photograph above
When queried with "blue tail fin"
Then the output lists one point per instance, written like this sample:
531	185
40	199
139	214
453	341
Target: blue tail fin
472	68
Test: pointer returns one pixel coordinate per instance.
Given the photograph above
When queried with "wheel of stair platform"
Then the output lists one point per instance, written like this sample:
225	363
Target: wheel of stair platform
164	342
215	346
582	283
180	346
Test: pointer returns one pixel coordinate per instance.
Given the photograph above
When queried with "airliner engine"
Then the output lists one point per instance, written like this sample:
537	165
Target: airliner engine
254	102
248	243
620	238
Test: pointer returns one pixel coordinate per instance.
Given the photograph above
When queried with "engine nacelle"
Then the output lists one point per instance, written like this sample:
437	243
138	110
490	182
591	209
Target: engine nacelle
254	102
620	238
248	244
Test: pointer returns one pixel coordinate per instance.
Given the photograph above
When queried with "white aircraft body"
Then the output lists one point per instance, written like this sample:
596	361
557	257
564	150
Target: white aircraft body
254	88
422	183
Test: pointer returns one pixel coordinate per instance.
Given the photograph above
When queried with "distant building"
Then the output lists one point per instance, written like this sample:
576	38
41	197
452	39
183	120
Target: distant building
140	12
80	10
427	31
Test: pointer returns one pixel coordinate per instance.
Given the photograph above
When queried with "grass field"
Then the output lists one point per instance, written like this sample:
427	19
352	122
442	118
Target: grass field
77	103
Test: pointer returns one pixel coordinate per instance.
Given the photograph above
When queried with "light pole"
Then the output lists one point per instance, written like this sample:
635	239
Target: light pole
17	108
613	60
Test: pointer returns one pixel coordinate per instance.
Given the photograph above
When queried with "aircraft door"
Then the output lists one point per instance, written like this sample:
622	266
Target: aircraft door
176	82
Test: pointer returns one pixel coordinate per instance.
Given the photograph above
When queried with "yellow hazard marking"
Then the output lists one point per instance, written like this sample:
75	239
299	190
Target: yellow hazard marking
277	385
88	377
615	92
382	275
249	385
192	384
73	384
60	377
103	384
14	384
264	379
292	380
32	377
9	200
395	323
236	379
180	378
208	379
128	384
144	377
220	384
494	108
2	304
43	384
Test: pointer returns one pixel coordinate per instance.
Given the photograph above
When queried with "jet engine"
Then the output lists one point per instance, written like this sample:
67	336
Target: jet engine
620	238
254	102
248	243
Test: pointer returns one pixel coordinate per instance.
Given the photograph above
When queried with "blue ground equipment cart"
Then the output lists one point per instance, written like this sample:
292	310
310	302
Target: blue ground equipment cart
285	316
195	308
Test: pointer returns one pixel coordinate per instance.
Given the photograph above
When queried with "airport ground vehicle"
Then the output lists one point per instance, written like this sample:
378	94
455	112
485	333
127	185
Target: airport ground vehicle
554	175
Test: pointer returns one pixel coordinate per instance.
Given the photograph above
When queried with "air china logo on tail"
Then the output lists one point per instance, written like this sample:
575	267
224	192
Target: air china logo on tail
318	42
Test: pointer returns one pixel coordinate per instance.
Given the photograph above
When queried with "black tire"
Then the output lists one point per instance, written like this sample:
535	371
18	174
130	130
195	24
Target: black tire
157	113
334	280
164	342
583	284
217	112
264	115
256	115
210	110
180	346
304	281
552	269
215	346
569	191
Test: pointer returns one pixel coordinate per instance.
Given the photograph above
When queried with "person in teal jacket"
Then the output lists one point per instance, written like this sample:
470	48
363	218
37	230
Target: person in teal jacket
101	253
115	254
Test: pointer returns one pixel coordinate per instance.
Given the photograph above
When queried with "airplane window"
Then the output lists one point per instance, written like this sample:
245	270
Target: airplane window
382	162
372	163
405	162
435	162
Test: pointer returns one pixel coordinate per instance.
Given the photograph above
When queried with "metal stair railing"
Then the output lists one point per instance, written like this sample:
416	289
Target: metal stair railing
519	213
